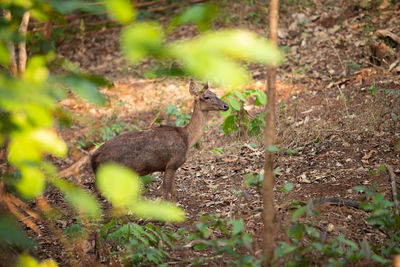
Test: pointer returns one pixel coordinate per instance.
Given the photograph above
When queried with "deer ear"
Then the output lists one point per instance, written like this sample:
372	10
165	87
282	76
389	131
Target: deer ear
194	91
205	86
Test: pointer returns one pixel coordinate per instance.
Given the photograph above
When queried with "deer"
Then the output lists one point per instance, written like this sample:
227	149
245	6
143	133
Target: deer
164	148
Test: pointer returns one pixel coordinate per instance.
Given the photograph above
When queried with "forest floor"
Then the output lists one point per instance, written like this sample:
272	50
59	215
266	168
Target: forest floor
338	102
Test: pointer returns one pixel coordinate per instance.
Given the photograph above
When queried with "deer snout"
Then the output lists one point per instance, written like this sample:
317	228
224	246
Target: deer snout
225	107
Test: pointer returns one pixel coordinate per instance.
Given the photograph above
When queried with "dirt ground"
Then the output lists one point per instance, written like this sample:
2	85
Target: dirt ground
335	109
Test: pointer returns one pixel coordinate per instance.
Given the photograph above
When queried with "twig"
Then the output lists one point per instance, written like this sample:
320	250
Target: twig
394	189
154	120
336	52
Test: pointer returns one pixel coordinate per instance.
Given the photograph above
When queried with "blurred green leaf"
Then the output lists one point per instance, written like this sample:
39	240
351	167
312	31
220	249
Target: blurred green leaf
77	197
24	260
298	213
48	141
237	226
36	70
288	187
118	184
38	115
75	231
32	181
120	10
273	148
243	45
11	234
21	149
209	56
158	210
85	89
198	61
200	14
141	40
4	55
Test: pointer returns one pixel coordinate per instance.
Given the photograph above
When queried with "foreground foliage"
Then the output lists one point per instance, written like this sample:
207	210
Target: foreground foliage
29	109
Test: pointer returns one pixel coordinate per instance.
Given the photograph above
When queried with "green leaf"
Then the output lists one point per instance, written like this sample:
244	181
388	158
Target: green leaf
75	231
229	125
36	70
297	231
158	210
24	260
85	89
32	181
11	234
22	149
237	226
118	184
77	197
273	148
234	103
380	259
243	45
239	95
261	98
120	10
299	212
200	14
141	40
48	141
394	117
4	55
288	187
382	168
198	61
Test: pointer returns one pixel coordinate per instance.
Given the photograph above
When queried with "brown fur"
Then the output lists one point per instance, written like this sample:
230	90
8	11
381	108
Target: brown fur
163	148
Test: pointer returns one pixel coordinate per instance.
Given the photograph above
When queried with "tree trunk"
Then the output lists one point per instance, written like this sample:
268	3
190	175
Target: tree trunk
268	183
23	28
18	65
12	65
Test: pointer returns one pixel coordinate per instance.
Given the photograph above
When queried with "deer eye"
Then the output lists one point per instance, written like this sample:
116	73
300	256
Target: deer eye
206	98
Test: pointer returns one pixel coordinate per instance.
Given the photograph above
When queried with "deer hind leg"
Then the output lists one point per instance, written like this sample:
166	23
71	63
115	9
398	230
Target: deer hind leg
169	185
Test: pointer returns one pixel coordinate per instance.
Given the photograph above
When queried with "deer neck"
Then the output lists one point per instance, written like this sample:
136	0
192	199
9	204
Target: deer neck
195	127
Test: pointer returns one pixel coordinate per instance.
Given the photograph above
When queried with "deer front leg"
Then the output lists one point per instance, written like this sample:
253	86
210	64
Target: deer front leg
169	185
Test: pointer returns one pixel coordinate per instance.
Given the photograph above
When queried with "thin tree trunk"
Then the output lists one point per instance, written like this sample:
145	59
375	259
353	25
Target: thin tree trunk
12	65
23	28
268	183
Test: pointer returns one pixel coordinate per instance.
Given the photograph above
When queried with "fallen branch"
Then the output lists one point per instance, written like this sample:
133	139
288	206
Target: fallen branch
386	33
76	167
339	202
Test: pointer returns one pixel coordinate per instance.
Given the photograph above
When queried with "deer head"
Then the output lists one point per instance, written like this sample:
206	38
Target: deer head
208	100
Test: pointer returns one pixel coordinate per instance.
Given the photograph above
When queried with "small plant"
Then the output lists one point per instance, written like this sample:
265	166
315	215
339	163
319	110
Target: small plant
140	244
218	151
253	179
224	238
308	245
180	117
237	118
353	65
